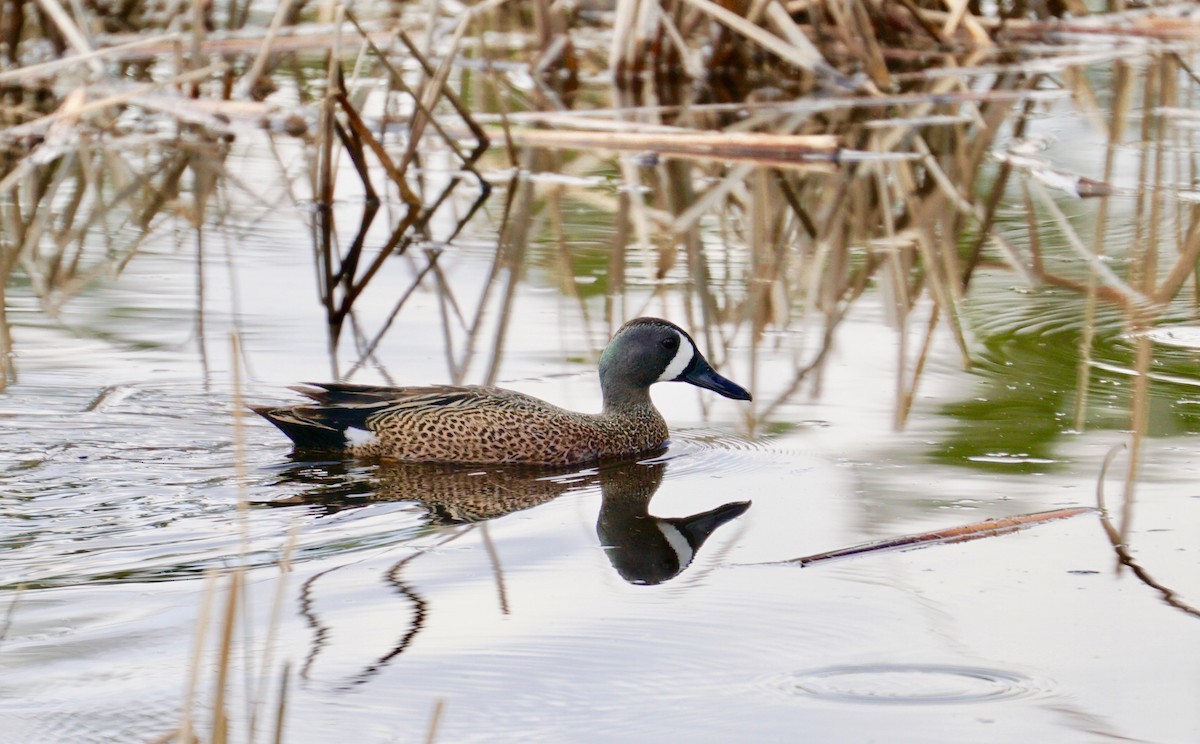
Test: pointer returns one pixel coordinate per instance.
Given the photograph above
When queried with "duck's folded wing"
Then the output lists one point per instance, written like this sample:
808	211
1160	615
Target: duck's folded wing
374	398
336	407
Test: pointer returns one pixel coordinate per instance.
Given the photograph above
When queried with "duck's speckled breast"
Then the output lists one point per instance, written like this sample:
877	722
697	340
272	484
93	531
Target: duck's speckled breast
493	425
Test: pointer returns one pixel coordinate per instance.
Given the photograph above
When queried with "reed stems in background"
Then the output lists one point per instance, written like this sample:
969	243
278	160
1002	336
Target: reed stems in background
1122	95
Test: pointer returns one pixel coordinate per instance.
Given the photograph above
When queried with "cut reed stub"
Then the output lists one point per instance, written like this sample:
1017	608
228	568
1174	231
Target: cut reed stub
1085	187
1080	187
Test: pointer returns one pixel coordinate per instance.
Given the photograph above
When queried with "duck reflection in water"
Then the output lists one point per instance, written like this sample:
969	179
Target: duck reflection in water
643	548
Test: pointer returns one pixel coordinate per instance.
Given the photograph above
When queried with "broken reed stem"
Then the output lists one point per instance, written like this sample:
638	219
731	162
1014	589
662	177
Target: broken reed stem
1120	546
948	536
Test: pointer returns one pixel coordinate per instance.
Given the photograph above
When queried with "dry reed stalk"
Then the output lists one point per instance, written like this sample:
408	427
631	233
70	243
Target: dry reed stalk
1145	233
897	299
435	721
10	611
509	259
562	255
497	570
1122	95
634	120
690	59
904	406
476	328
950	536
37	126
988	213
1158	90
30	73
270	643
806	57
250	79
322	190
1118	540
8	369
220	726
950	95
872	56
707	201
798	152
315	38
285	675
1188	253
1139	419
447	306
186	723
434	90
343	282
370	348
1130	297
678	195
481	138
639	217
70	31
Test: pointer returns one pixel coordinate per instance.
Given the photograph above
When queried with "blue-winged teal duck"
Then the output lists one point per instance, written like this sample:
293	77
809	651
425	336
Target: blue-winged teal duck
478	425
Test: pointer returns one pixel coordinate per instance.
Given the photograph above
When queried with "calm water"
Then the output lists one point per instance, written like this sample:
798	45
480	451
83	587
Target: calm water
557	612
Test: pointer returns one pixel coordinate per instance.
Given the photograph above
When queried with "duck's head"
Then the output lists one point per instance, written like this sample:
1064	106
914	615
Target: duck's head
649	350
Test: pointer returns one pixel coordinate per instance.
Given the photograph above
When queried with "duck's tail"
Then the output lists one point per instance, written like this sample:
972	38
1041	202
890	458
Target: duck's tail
322	425
306	426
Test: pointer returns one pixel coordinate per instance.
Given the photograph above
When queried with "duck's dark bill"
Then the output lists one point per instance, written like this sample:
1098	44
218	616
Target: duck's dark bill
702	375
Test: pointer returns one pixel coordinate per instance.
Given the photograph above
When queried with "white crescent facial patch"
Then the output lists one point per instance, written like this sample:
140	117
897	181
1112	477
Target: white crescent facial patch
683	357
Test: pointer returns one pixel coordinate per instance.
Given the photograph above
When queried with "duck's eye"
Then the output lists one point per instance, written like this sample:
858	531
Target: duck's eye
670	343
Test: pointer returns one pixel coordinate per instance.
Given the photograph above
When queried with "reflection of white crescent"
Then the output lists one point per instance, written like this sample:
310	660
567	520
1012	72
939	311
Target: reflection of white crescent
678	542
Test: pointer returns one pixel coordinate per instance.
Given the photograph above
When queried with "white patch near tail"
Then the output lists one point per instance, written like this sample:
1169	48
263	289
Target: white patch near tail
355	436
680	362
